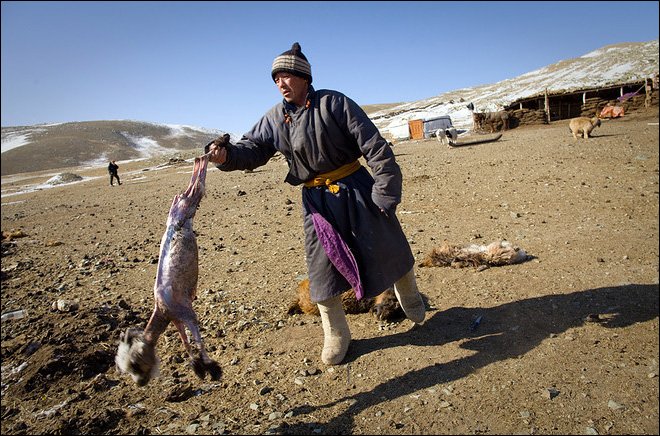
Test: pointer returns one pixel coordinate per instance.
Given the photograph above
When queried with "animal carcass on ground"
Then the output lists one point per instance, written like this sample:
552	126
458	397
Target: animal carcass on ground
385	306
496	253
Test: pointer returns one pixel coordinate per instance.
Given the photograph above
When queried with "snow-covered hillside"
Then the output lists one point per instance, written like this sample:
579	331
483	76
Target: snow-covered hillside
610	65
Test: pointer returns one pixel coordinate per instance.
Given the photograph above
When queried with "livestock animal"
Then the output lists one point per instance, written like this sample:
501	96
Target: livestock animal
497	253
493	119
583	126
447	136
385	307
477	120
175	289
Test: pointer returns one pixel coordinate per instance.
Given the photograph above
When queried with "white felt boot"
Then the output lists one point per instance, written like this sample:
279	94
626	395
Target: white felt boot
409	297
335	329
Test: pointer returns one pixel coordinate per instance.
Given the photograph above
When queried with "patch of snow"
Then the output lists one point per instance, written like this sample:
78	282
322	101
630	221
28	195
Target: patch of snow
49	184
186	130
13	140
146	146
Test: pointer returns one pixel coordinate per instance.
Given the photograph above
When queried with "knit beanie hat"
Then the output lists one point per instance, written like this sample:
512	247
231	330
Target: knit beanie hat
293	61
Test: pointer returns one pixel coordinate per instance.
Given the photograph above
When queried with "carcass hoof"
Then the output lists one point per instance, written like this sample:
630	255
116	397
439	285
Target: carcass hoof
387	312
214	370
211	367
387	308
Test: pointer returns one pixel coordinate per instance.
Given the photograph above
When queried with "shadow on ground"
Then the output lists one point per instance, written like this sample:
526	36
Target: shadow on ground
504	332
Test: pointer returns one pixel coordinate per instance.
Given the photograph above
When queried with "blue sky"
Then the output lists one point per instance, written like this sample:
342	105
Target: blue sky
207	64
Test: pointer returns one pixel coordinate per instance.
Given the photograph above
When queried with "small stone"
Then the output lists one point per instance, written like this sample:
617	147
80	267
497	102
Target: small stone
275	415
550	393
614	405
66	305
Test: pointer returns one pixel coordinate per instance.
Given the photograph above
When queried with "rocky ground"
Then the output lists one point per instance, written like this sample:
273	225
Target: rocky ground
567	342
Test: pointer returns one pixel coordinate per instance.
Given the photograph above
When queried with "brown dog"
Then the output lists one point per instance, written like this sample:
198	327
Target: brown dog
385	306
583	126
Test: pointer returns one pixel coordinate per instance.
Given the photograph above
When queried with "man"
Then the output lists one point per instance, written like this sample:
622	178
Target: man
352	236
112	169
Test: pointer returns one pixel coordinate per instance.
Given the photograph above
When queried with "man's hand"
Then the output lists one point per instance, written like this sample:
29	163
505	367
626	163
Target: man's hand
218	149
218	154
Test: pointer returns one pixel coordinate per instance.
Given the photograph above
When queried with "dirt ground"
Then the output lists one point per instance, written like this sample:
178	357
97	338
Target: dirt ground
567	342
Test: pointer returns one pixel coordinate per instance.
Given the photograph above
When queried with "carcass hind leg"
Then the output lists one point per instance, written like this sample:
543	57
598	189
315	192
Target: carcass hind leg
199	360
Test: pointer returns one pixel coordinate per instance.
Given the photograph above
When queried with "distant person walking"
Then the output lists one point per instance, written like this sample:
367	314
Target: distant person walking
112	169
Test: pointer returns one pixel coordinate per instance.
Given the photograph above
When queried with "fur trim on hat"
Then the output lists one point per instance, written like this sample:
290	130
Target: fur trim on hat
292	61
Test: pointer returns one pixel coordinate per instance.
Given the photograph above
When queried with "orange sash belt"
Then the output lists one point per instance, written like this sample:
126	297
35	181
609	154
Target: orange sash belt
328	179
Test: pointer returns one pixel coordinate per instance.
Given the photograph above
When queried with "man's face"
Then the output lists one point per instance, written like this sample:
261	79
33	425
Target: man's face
292	88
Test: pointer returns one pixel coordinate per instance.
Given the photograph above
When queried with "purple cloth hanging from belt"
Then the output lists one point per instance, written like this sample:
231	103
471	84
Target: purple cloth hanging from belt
337	251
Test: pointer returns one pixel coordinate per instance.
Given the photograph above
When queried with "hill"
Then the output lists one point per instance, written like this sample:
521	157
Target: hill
372	108
94	143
